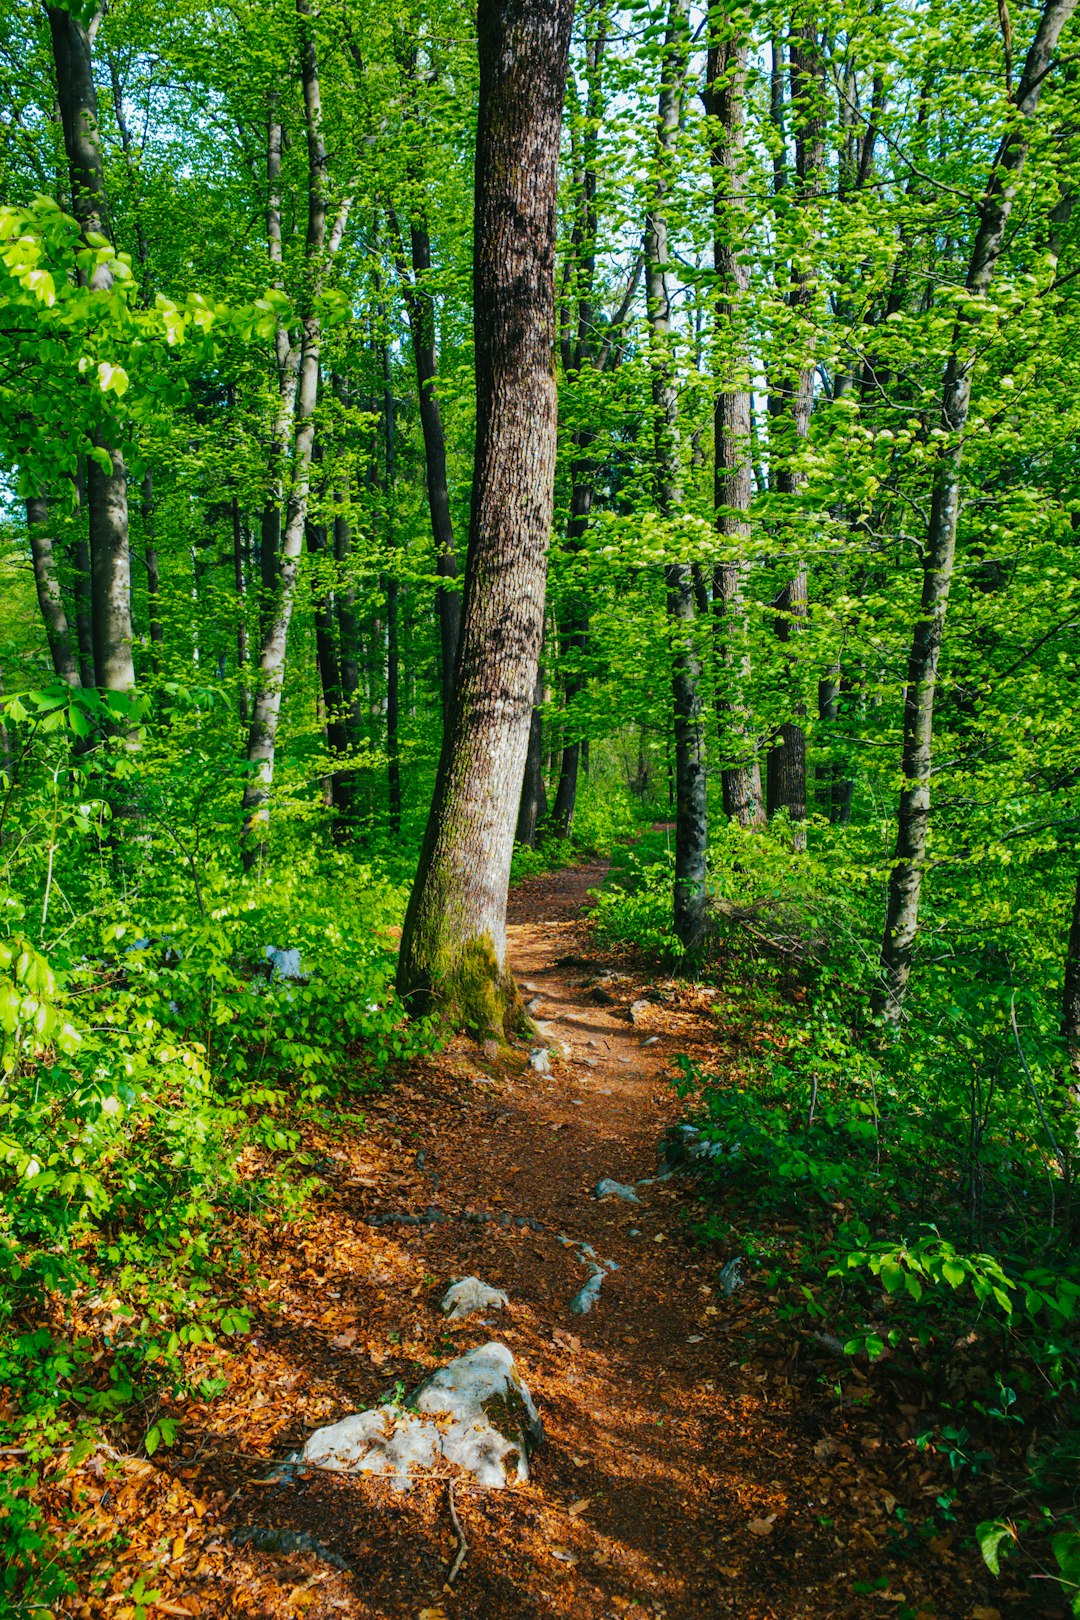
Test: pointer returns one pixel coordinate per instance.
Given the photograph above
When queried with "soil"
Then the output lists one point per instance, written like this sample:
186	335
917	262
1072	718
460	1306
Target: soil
701	1459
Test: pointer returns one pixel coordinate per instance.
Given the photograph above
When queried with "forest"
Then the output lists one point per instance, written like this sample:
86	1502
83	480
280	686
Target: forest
539	617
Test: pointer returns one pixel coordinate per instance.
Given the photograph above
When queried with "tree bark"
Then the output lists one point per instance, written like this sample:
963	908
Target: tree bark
691	819
733	419
110	558
1070	1003
453	948
420	308
786	762
533	807
49	594
913	816
266	710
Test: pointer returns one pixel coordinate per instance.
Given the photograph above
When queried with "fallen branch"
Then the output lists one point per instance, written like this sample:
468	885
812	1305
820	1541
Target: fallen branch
463	1545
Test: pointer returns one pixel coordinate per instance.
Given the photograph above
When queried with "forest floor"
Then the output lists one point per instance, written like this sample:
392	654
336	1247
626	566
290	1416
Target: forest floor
701	1457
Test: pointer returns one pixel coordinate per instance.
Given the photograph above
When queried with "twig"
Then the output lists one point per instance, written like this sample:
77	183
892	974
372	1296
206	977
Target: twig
463	1545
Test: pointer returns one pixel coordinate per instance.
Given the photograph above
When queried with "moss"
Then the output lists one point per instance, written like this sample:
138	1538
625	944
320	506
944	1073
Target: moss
466	986
508	1414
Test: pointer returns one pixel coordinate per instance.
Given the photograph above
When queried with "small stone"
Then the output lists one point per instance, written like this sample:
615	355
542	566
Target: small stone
588	1294
532	1006
468	1295
540	1060
651	1040
731	1276
607	1188
602	997
638	1009
283	964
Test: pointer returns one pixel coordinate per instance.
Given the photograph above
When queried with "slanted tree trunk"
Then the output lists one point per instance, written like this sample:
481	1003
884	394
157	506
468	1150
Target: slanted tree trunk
691	820
49	594
733	419
913	817
266	710
453	947
533	807
106	480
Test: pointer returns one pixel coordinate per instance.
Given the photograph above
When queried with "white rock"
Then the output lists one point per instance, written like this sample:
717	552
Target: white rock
606	1188
469	1295
283	964
540	1060
494	1424
385	1440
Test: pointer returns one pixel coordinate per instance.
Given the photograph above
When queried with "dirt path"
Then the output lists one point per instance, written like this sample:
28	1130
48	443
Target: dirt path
684	1472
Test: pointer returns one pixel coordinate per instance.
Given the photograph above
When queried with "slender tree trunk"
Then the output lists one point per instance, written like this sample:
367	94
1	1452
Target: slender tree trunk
110	558
453	944
905	882
733	485
80	567
533	806
575	634
420	307
153	574
49	594
1070	1004
691	820
240	585
326	657
393	659
262	735
786	763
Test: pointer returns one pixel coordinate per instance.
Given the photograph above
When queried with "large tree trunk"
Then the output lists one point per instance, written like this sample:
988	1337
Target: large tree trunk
110	559
453	947
691	821
905	881
49	594
733	418
266	710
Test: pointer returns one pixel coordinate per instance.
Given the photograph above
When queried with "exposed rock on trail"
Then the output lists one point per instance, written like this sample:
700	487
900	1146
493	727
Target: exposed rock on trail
678	1476
475	1414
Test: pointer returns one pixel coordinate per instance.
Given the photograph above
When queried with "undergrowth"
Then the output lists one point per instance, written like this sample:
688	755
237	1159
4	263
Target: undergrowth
928	1175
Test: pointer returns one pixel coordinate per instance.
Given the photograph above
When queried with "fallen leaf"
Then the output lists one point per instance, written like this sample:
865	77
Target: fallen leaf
889	1502
578	1462
826	1449
600	1556
564	1555
730	1571
761	1527
345	1341
161	1607
981	1612
580	1505
432	1614
178	1547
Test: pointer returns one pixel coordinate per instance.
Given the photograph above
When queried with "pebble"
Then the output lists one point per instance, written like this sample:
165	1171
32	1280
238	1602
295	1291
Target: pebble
607	1188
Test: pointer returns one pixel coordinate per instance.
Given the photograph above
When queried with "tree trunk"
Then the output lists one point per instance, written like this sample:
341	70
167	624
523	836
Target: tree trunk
733	420
905	881
420	306
1070	1004
453	946
240	586
533	807
691	821
262	735
49	594
575	636
110	559
786	764
393	659
79	556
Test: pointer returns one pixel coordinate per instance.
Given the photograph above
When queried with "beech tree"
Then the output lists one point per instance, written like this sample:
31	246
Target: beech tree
453	946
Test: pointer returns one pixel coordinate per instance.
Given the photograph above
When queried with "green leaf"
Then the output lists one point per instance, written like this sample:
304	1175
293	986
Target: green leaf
990	1536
